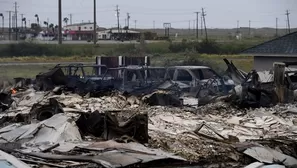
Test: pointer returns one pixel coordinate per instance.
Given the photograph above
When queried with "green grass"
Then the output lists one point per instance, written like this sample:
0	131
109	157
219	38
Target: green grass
46	59
216	61
26	71
82	50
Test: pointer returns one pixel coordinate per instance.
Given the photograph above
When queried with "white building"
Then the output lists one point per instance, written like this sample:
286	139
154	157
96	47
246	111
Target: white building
80	31
80	27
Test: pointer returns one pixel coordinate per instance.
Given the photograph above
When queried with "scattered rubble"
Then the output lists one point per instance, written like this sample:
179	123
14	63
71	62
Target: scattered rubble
59	120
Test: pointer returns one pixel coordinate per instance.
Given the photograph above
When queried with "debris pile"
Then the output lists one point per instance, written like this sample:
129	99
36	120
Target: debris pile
84	123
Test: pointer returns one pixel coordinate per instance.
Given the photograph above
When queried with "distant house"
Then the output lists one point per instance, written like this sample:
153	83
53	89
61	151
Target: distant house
113	34
281	49
80	31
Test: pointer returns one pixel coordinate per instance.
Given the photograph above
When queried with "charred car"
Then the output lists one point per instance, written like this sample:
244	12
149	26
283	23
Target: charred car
199	81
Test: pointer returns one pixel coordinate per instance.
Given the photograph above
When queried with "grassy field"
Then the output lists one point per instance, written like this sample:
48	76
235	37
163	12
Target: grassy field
215	61
46	59
81	50
161	55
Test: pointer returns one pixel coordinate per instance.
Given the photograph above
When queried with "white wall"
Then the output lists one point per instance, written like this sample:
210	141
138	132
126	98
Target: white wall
103	35
85	27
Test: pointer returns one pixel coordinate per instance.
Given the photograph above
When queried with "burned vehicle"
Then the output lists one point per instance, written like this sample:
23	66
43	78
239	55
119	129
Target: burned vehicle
135	79
78	78
199	81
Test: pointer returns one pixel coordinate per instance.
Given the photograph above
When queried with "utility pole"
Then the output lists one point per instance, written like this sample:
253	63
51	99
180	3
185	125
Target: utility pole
276	27
154	26
118	18
249	28
95	25
288	19
60	21
135	21
9	29
16	20
128	19
201	24
197	31
70	17
203	14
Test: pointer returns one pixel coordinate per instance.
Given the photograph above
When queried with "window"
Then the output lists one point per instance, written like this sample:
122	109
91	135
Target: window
183	75
91	28
170	74
85	27
207	74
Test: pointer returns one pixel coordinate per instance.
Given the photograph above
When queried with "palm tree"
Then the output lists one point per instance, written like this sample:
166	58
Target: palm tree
37	18
66	20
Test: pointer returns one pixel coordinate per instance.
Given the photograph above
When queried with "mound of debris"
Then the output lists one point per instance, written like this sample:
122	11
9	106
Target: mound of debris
55	122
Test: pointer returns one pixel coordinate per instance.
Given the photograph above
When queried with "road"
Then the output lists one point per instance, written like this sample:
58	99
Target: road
80	42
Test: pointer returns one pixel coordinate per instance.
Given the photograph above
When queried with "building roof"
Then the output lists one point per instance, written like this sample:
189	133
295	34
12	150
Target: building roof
281	46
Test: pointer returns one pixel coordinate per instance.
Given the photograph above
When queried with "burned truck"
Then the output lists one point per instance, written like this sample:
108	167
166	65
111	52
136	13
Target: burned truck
135	79
78	78
199	81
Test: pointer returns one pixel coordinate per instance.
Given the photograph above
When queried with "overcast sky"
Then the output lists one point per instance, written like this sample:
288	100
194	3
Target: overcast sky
219	13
